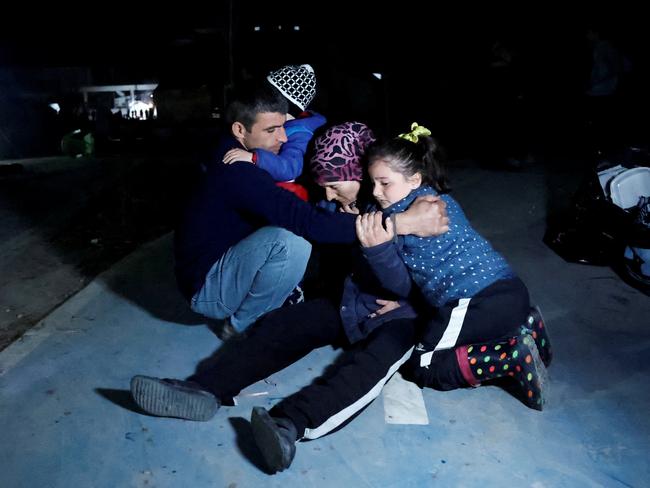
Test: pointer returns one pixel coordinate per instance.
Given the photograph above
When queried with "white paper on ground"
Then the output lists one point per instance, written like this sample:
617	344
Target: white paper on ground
403	402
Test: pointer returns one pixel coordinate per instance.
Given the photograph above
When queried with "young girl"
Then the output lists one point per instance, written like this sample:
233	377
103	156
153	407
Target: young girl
479	304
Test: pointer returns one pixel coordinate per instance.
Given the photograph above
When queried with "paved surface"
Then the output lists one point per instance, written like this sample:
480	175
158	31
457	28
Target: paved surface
63	220
67	419
37	200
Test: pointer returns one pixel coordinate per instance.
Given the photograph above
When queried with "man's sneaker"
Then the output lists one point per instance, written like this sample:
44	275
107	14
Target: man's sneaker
275	437
224	329
228	331
173	398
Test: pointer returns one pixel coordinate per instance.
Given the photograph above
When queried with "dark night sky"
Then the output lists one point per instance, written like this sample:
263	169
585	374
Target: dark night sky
64	33
434	54
144	42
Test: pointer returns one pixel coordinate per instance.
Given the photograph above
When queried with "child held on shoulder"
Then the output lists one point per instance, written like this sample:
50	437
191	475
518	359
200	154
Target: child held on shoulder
297	83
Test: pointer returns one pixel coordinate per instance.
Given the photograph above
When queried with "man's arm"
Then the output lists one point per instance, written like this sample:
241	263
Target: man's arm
254	192
426	217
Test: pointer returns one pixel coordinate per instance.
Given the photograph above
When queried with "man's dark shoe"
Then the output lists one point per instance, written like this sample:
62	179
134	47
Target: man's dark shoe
173	398
295	297
276	438
224	329
229	333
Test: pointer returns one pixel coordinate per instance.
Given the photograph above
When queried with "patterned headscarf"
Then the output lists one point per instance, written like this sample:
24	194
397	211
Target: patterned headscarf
339	151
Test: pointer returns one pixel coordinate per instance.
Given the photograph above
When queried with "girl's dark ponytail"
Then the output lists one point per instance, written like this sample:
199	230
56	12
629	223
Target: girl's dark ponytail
434	171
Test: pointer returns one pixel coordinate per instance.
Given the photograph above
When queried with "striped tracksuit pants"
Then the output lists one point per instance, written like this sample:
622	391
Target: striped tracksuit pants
283	336
356	378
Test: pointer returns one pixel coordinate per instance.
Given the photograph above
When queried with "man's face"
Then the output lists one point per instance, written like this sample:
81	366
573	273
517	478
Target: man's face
266	133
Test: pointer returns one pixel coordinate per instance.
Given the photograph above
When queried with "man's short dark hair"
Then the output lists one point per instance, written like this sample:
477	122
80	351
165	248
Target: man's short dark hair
253	98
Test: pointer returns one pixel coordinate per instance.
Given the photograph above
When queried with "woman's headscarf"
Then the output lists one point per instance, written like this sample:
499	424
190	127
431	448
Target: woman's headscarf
339	152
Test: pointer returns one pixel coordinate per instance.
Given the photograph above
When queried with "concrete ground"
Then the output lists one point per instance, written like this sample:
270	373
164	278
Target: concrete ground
68	420
64	220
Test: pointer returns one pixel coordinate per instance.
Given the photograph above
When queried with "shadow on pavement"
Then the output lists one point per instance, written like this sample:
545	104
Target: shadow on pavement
246	444
121	398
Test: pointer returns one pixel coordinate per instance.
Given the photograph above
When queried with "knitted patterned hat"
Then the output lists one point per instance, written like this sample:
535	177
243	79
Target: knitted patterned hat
297	83
339	151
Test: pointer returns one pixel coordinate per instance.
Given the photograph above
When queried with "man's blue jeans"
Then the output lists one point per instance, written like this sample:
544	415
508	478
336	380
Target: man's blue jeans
253	277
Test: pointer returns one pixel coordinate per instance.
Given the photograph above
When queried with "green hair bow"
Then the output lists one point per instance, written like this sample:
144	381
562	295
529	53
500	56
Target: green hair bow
416	132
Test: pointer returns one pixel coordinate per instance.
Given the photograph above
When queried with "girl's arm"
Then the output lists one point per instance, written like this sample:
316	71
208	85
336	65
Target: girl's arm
381	253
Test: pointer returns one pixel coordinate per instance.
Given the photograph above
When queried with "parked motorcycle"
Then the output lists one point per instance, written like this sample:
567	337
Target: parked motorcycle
608	223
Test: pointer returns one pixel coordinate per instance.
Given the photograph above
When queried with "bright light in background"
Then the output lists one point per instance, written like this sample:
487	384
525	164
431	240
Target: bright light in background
377	75
258	28
139	109
55	106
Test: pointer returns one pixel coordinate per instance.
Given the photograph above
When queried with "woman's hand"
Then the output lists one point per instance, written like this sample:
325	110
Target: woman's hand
371	231
350	208
386	306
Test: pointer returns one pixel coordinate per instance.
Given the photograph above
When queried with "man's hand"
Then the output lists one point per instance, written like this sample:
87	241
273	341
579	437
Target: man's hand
386	306
426	217
370	230
238	155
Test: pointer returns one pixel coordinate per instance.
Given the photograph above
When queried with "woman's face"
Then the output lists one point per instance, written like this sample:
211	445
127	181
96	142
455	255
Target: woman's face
343	192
